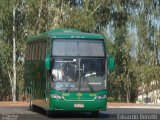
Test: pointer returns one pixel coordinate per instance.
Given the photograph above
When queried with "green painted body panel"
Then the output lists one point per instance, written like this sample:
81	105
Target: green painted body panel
35	78
111	63
72	98
65	33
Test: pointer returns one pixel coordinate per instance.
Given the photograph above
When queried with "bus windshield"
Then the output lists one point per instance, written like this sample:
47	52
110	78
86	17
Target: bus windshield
78	47
78	74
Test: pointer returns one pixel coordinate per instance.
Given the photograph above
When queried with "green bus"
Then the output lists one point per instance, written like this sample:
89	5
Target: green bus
65	70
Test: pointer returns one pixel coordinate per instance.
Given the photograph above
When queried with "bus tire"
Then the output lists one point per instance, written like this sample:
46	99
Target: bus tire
48	113
33	108
95	113
30	105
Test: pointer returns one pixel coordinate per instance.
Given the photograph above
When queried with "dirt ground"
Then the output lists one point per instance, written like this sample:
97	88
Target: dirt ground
122	104
17	103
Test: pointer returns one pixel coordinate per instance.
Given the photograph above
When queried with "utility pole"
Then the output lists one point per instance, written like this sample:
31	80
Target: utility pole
14	58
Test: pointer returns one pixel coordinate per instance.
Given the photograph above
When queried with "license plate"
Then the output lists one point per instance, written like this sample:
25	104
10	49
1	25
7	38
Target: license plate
79	105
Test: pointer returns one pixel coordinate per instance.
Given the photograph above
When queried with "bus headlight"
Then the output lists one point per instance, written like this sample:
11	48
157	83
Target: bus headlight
55	96
101	97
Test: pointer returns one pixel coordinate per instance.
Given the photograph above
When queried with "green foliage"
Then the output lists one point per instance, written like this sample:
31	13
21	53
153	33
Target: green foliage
5	68
110	99
80	19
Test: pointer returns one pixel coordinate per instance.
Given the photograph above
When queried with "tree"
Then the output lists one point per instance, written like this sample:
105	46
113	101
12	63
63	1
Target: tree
12	21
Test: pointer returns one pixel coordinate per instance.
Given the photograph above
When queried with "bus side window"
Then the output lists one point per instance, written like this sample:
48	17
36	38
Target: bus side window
44	50
26	52
33	51
30	48
36	51
27	56
30	51
39	50
34	56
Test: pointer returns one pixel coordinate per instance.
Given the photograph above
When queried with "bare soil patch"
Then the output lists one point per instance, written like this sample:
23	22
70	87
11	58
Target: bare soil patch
17	103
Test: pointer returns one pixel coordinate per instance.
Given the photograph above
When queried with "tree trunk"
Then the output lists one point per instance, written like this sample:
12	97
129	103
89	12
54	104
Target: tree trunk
142	92
128	95
128	88
14	60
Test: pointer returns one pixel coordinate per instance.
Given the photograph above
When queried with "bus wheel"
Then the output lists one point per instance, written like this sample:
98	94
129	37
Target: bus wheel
33	108
48	113
30	104
95	113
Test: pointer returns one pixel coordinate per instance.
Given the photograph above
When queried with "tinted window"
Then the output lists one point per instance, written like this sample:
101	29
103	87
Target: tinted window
26	52
40	50
78	48
44	50
91	48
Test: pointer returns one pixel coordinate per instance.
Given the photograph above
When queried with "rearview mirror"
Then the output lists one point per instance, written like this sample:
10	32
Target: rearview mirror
110	63
47	62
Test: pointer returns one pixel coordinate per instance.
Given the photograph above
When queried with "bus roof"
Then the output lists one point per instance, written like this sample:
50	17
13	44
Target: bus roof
65	33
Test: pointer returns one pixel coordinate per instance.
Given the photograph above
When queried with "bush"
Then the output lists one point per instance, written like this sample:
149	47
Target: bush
110	99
